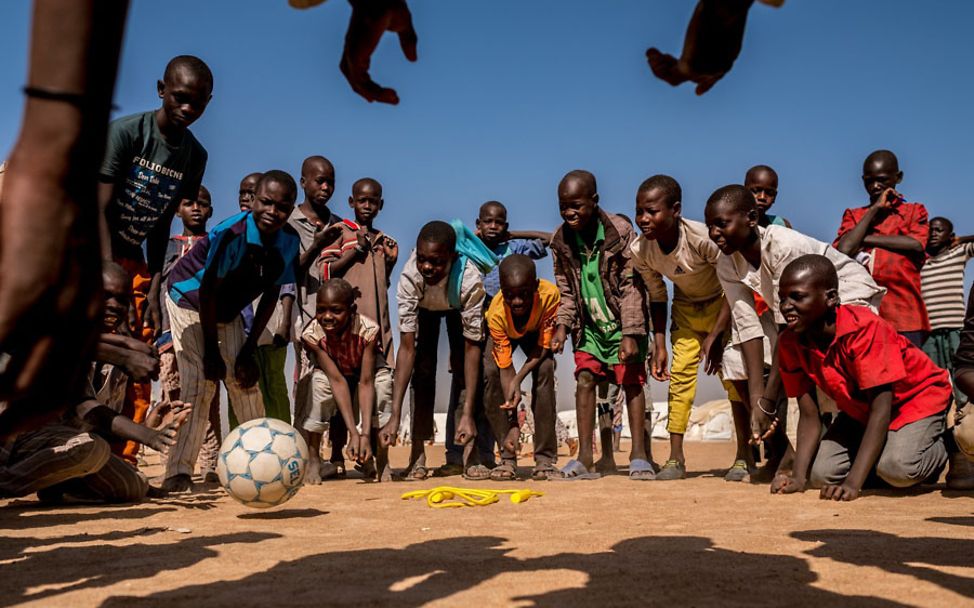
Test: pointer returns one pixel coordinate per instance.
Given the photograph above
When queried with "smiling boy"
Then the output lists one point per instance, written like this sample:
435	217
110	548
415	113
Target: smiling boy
247	255
892	399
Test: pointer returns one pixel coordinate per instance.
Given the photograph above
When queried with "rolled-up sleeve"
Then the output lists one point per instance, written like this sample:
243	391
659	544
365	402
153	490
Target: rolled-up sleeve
472	297
653	280
408	294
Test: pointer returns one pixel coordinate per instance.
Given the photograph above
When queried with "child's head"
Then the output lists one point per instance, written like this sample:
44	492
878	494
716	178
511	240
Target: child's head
880	171
274	201
731	217
185	90
335	305
762	181
317	181
248	189
519	283
941	234
492	222
658	206
435	250
578	199
366	200
195	213
117	286
808	292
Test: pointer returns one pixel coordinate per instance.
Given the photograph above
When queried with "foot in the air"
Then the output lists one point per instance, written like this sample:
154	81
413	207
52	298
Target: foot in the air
178	484
666	67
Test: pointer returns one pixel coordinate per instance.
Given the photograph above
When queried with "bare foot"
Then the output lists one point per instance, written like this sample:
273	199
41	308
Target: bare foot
312	474
606	465
178	484
666	67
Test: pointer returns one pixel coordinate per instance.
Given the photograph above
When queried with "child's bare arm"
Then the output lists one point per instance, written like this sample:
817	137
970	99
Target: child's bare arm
109	421
513	390
898	243
658	368
466	429
339	386
873	440
366	388
155	246
545	237
713	344
405	358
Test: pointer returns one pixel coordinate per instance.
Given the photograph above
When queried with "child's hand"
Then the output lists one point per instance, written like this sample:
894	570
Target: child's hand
512	441
140	365
368	22
164	437
245	370
785	484
388	434
165	412
327	236
628	349
466	430
364	448
713	352
390	248
763	426
844	492
558	340
886	199
513	398
213	366
658	368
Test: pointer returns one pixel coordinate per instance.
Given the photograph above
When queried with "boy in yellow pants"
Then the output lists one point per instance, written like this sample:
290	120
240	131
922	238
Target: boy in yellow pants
681	250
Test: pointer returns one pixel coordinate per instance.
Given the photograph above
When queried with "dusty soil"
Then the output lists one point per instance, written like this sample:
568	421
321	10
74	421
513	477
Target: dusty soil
612	542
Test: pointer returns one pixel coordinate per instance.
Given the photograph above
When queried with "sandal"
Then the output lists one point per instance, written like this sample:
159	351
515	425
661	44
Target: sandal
332	470
476	472
672	469
573	471
641	470
448	470
417	473
544	471
505	471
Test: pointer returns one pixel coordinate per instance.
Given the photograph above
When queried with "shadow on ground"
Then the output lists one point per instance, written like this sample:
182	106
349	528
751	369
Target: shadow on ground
918	557
681	570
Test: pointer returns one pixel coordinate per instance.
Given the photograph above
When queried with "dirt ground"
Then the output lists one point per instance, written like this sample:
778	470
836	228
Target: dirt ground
613	542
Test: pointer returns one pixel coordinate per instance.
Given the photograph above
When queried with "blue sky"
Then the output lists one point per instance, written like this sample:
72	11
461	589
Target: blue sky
508	96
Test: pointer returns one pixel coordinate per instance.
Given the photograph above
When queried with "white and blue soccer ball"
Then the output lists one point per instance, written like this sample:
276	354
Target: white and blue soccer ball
262	462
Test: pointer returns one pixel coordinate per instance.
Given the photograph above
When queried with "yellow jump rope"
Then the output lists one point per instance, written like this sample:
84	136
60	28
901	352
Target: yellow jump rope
444	497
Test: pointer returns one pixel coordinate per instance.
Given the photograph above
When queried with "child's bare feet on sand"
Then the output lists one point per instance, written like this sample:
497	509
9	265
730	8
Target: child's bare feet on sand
606	465
312	474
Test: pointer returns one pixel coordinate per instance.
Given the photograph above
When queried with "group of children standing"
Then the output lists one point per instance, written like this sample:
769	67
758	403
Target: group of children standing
776	313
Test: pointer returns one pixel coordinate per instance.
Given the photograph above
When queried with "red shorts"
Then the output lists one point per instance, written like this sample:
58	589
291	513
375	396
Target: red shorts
622	373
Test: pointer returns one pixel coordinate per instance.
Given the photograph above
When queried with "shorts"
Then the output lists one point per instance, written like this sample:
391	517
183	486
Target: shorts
316	412
733	368
620	373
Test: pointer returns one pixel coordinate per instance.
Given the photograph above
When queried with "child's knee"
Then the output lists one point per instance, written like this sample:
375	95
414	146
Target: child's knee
585	381
546	373
898	471
90	451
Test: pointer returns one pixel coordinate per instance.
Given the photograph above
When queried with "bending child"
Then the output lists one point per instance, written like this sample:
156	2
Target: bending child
522	316
345	350
892	399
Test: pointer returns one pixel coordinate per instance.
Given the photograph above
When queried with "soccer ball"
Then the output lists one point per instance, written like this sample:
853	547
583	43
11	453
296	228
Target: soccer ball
262	462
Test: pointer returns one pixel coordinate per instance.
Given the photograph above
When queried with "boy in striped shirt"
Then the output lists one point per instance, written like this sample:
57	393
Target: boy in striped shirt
942	286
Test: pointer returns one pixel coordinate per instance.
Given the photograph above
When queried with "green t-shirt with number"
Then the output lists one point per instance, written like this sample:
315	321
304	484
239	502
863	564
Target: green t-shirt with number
601	331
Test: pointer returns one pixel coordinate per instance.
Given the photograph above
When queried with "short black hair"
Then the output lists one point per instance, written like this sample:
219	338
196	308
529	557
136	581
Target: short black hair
342	288
280	177
204	192
760	169
670	187
367	181
582	175
818	266
439	233
882	157
196	66
314	160
517	265
109	269
734	194
950	224
492	204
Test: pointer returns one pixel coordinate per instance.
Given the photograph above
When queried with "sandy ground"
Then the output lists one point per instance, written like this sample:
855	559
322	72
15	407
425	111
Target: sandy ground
613	542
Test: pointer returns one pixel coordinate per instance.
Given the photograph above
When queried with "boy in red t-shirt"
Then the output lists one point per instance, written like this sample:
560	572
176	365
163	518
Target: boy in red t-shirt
892	399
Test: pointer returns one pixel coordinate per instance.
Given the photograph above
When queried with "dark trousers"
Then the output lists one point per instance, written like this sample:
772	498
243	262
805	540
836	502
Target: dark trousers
542	401
424	386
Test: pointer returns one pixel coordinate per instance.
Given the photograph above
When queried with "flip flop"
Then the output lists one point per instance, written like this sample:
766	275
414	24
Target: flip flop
574	471
477	472
506	471
641	470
